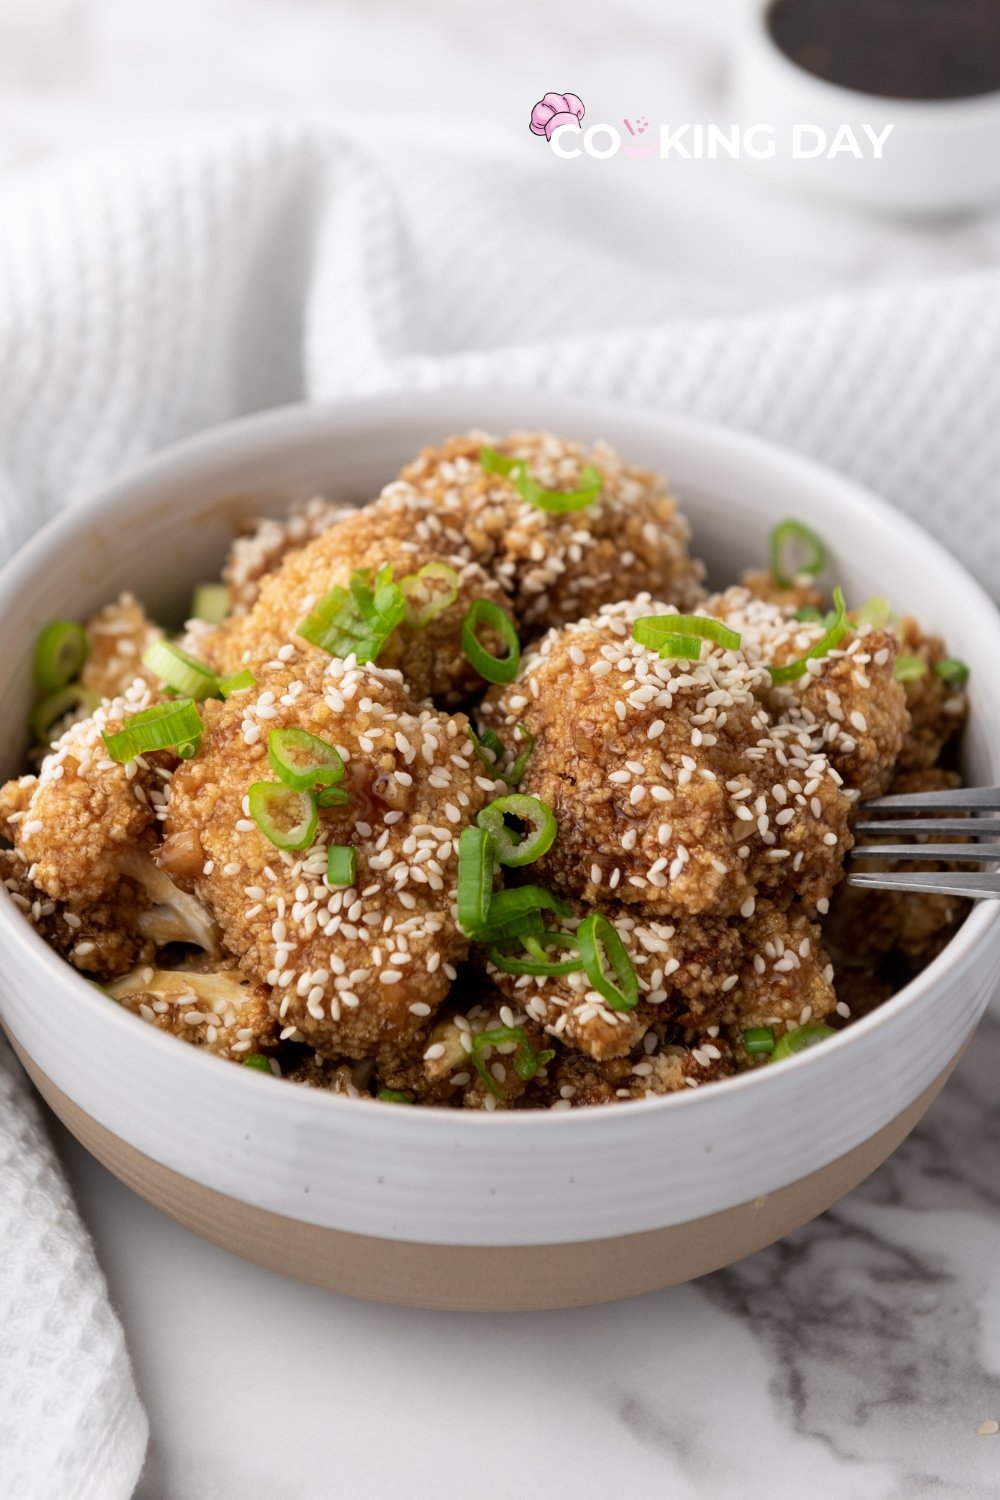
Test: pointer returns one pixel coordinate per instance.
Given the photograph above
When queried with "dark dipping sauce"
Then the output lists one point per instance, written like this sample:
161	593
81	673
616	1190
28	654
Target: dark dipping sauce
900	49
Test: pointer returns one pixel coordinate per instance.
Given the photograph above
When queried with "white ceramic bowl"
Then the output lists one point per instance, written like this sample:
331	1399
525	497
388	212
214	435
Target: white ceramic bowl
943	156
458	1208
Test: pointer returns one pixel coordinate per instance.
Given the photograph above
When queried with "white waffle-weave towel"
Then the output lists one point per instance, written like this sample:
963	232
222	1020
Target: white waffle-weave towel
142	298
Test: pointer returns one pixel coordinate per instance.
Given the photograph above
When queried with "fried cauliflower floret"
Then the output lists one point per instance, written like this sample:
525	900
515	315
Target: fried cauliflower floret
786	979
573	1081
357	969
266	540
671	788
117	636
333	1077
682	968
865	926
847	702
219	1010
801	595
83	813
102	938
938	711
399	528
558	567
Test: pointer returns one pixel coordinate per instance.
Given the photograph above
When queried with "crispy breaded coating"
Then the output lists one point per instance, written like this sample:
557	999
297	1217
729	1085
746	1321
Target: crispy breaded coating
398	528
762	583
573	1081
117	636
357	969
671	787
75	822
937	711
263	543
558	567
786	979
848	702
682	968
865	926
102	938
219	1010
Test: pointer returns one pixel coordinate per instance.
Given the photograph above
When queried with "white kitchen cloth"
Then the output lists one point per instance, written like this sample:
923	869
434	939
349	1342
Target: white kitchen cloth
147	296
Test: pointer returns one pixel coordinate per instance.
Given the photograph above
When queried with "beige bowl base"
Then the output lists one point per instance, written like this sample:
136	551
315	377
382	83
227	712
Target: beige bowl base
453	1277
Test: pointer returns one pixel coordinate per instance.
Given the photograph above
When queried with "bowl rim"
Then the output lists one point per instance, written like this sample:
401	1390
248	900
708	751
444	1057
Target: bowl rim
298	420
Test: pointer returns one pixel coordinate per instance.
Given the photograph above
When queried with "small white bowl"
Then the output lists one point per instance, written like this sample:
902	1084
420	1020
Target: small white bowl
942	157
451	1208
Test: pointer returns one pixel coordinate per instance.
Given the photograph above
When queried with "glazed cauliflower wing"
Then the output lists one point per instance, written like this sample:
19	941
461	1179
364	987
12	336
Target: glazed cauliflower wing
219	1010
356	970
117	636
671	787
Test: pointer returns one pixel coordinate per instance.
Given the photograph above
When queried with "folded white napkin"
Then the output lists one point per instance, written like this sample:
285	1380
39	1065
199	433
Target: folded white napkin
142	298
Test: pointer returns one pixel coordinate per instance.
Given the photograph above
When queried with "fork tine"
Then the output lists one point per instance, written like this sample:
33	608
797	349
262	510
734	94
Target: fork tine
963	799
986	854
974	884
977	828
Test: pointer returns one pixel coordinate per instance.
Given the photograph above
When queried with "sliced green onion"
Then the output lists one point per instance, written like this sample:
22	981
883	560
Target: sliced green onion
492	668
799	1039
517	770
302	760
394	1096
332	796
415	587
188	750
537	962
682	635
341	865
952	671
909	668
356	621
168	725
828	642
210	603
555	501
60	653
876	612
787	539
284	815
596	935
515	849
758	1039
525	1059
52	710
258	1061
512	913
488	746
475	879
181	672
809	613
238	682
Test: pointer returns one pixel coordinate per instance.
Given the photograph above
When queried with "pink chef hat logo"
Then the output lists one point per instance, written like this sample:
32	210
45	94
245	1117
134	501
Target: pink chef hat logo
555	110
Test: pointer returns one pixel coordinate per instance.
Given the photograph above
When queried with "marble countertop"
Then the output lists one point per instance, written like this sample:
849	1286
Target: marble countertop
859	1358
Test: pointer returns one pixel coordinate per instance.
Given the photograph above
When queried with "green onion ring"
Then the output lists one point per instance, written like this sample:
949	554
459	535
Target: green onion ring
534	944
59	655
909	668
210	603
332	796
302	760
52	710
799	1039
237	682
682	635
438	602
828	642
516	911
181	672
517	770
285	816
258	1061
594	934
341	865
475	879
952	671
511	849
526	1060
757	1039
492	668
165	727
394	1096
789	534
556	502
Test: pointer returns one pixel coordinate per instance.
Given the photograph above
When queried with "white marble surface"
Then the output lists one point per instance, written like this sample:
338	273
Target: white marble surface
857	1359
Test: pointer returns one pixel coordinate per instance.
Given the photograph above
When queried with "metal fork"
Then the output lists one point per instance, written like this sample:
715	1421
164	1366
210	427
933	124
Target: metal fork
879	820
